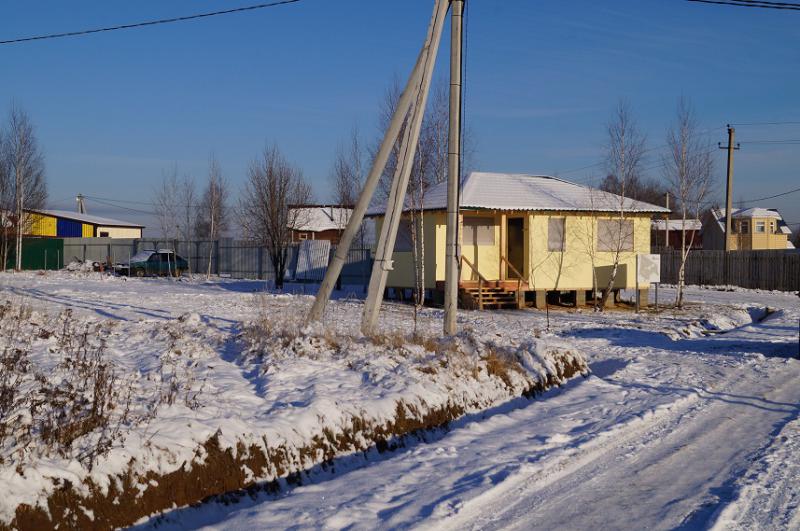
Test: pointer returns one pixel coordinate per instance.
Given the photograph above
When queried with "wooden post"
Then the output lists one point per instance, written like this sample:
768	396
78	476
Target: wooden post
638	292
503	244
580	298
541	298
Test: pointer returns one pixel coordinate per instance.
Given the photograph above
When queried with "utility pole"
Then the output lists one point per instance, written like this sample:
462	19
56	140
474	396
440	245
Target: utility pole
397	194
666	223
20	202
409	95
81	204
729	198
453	169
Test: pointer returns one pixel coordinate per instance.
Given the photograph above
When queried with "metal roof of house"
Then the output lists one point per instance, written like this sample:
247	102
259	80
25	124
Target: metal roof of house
676	224
321	218
86	218
516	191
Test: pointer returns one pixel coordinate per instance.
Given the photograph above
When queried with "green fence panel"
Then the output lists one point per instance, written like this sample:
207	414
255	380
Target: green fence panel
38	253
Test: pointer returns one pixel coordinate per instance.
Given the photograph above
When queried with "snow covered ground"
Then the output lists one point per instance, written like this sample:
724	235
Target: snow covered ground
690	419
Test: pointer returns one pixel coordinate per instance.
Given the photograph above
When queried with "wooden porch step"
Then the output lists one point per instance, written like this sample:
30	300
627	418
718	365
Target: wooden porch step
488	297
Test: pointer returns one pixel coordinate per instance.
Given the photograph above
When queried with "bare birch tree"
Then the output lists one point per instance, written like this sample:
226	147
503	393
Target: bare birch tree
272	188
347	175
187	214
429	166
212	219
625	152
688	169
24	186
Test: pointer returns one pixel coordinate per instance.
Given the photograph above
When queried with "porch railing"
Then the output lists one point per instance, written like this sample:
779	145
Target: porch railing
481	280
519	279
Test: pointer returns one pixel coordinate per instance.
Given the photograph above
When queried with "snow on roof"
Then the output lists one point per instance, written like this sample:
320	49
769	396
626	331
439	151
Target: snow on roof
515	191
675	224
750	213
321	218
86	218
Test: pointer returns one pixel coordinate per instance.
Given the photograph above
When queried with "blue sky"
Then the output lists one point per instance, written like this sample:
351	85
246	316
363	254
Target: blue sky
115	110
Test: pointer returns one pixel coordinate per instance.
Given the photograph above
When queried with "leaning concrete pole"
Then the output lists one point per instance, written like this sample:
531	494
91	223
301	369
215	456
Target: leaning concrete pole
397	194
378	165
453	171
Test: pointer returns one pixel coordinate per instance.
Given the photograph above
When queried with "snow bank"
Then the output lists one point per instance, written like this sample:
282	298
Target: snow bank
179	425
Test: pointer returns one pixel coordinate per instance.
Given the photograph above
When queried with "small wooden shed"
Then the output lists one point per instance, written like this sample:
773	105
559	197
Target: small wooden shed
523	236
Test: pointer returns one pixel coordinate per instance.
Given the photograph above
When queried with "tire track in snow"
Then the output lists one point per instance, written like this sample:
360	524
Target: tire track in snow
671	470
768	493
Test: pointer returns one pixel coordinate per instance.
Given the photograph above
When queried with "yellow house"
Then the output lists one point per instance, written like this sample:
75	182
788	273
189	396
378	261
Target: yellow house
65	224
522	236
752	229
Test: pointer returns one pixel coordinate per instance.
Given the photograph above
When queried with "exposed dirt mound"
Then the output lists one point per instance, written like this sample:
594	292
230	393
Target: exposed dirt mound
215	471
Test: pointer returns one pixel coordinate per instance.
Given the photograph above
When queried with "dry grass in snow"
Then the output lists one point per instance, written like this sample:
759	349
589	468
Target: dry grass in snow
97	415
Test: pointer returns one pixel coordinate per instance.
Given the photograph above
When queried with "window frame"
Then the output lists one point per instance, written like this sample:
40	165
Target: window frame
744	226
562	244
472	225
759	227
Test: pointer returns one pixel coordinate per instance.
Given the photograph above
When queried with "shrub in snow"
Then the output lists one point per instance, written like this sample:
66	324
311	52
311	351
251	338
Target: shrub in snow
77	403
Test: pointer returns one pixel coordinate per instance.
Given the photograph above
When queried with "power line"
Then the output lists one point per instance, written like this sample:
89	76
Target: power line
765	123
656	148
148	23
128	201
107	200
771	196
137	211
750	3
788	141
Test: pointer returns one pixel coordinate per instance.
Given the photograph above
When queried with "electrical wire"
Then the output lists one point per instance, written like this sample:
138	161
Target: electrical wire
765	123
111	204
790	142
148	23
648	150
771	196
749	3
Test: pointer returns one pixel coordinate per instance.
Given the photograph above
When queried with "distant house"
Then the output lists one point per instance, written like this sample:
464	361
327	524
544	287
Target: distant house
526	233
319	222
751	229
65	224
668	233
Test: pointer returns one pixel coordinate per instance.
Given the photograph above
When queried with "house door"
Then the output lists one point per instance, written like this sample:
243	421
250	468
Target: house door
515	246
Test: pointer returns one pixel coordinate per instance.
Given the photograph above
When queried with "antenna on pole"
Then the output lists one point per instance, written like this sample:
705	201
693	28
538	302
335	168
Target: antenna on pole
81	204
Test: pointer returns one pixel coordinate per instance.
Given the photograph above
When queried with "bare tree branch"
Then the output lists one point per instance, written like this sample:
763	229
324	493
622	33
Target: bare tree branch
688	170
272	188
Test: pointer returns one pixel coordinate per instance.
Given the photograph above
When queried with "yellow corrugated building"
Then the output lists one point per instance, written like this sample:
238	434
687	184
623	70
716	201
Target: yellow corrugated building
64	224
550	234
40	224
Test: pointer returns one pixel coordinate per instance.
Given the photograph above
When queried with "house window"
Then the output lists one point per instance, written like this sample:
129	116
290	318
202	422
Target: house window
478	230
615	235
555	234
103	234
303	236
772	227
760	226
744	227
